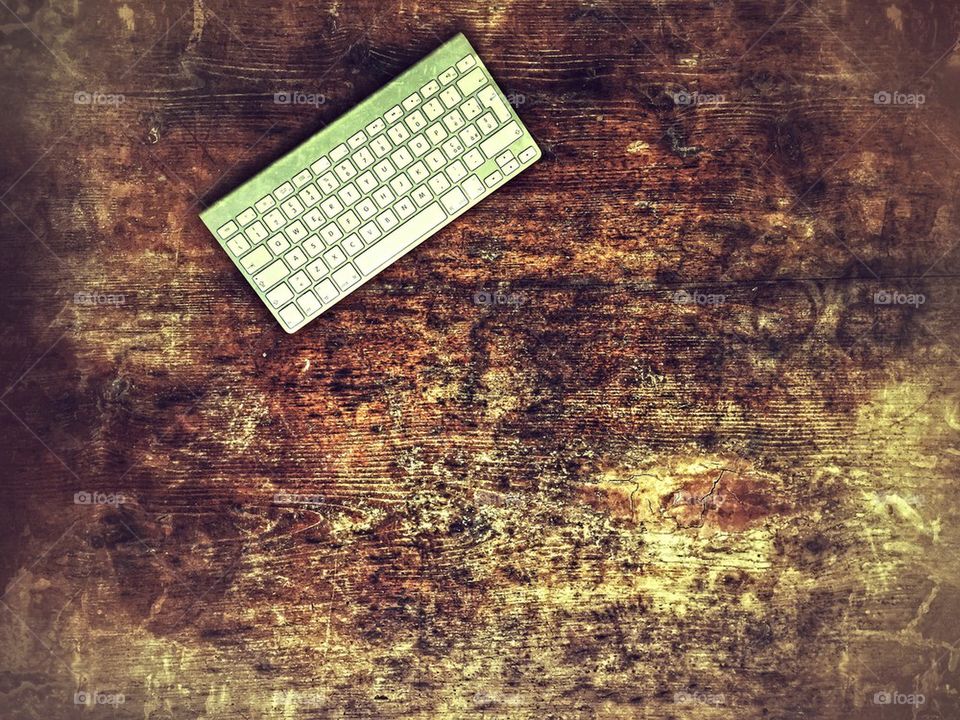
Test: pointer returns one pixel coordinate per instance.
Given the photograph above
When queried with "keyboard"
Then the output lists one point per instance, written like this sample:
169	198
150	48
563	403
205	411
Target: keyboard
374	184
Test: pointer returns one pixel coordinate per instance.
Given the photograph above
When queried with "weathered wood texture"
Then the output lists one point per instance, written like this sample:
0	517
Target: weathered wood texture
579	504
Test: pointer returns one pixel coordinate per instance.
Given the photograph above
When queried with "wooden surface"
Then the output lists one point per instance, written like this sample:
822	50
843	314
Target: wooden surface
588	501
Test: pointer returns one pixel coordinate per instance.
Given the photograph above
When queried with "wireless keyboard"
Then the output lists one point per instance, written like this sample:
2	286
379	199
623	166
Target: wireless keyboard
367	189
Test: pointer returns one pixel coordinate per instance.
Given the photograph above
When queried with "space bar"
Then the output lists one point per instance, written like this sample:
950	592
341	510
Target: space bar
400	239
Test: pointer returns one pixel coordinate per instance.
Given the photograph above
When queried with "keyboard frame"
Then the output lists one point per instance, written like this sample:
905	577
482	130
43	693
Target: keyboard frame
319	145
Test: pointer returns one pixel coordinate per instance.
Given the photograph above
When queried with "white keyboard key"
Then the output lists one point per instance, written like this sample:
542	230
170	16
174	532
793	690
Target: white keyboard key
356	140
256	232
265	203
405	208
291	316
346	276
367	182
452	147
473	159
366	209
471	108
246	217
401	158
457	171
504	157
302	178
310	196
383	197
501	139
363	158
278	244
430	88
370	232
296	231
493	178
292	208
256	260
328	182
472	81
283	192
318	269
331	233
332	207
321	166
416	121
387	220
279	295
376	127
313	246
473	187
393	114
510	167
384	170
469	136
448	76
308	303
348	221
345	171
295	258
436	133
238	245
418	172
271	275
227	229
352	244
339	153
438	183
275	219
436	160
334	257
488	123
528	154
454	121
398	133
300	281
450	97
466	63
326	291
488	96
422	196
314	218
400	184
434	109
411	102
381	146
454	200
349	195
400	239
419	144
